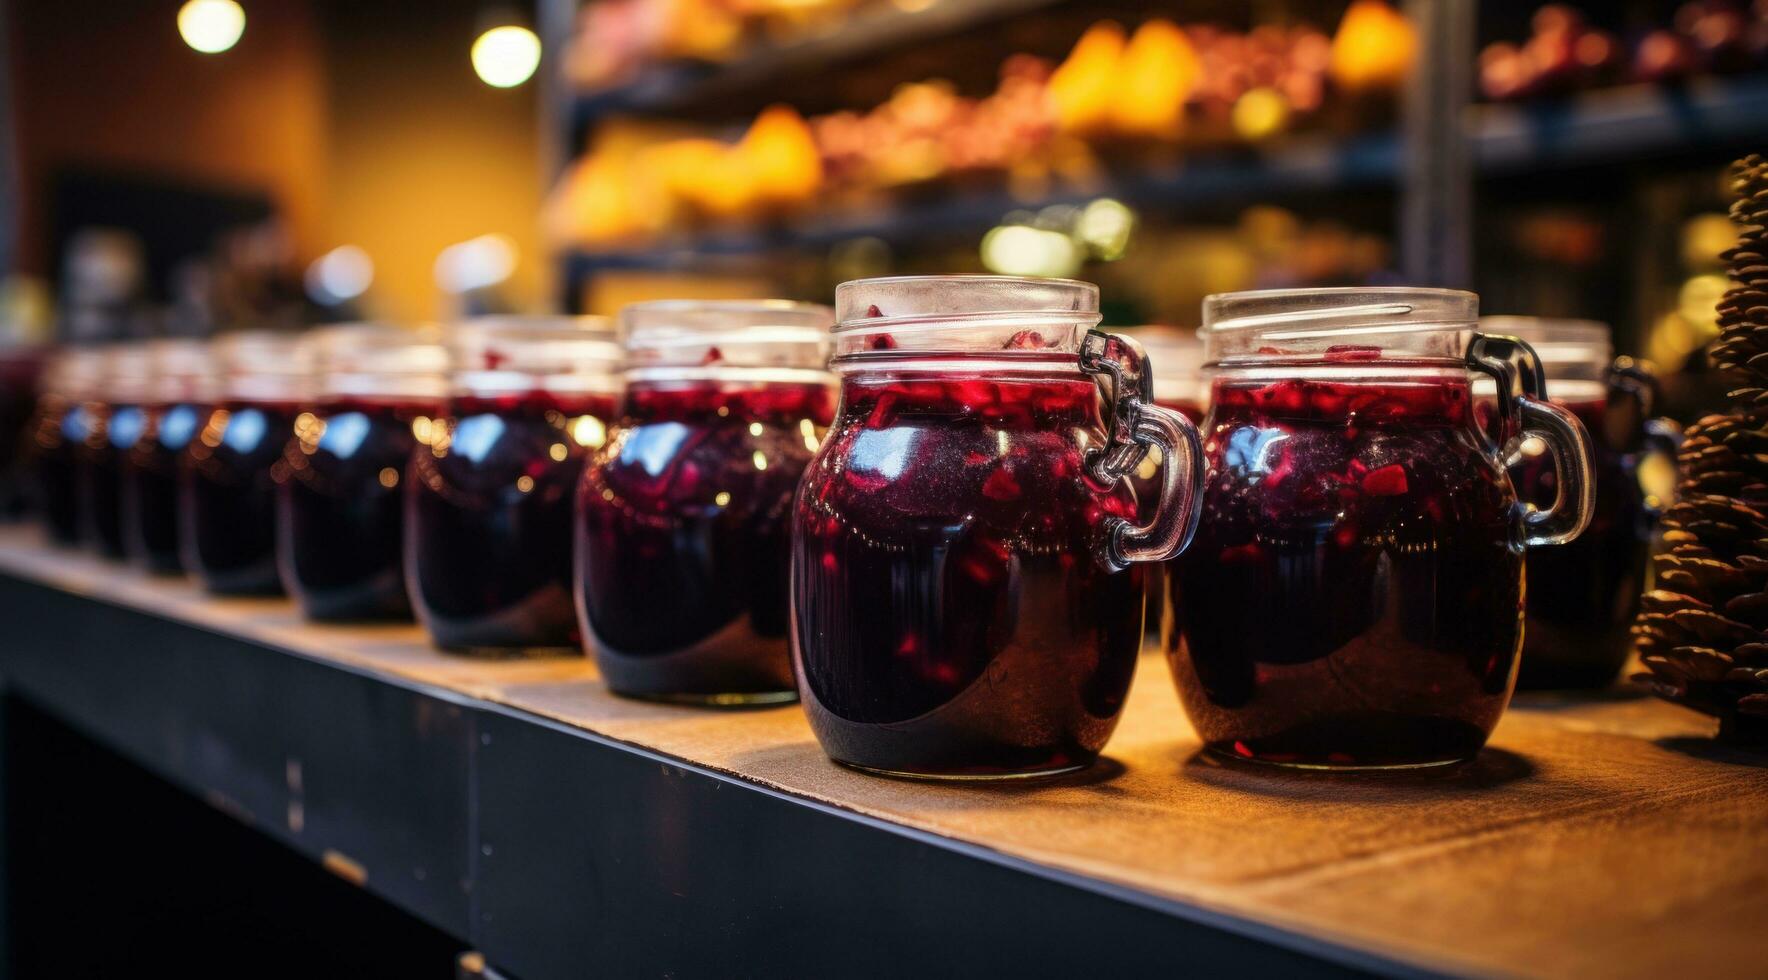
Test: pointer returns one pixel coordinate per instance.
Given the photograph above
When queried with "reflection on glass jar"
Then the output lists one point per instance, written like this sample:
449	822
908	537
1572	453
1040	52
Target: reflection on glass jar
180	391
63	424
965	598
684	517
229	471
489	494
340	516
1583	597
1354	595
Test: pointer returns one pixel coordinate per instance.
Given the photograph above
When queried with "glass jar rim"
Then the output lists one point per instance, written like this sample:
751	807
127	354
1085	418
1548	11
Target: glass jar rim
1555	338
159	371
183	369
960	298
76	370
685	339
263	365
663	324
266	352
376	360
377	346
1011	322
1409	323
503	354
561	342
1172	352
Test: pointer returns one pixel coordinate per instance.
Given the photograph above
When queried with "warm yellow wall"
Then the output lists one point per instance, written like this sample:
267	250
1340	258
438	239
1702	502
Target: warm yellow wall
423	154
362	118
109	84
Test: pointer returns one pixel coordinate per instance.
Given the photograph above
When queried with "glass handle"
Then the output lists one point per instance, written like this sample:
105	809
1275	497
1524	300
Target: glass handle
1636	382
1633	394
1181	492
1569	443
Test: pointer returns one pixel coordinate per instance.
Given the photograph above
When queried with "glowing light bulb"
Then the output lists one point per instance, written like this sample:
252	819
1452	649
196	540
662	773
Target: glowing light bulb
211	26
506	56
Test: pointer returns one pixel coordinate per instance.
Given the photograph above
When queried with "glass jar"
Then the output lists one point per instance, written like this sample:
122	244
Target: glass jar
127	378
488	505
340	513
21	374
179	387
228	476
1583	597
967	584
65	420
1354	596
97	477
683	521
1175	361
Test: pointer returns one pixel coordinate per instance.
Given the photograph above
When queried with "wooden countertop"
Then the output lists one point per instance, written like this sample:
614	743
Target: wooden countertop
1603	835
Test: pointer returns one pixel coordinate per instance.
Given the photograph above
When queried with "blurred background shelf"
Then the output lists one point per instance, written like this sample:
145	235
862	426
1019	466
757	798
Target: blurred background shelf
1617	126
674	85
1300	165
1621	125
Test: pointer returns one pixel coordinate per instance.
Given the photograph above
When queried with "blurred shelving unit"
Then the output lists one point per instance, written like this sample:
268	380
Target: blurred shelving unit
1428	173
1302	165
1618	125
672	86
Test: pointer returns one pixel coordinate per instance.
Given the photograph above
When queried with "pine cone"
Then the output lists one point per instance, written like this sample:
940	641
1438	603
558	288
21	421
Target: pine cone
1703	632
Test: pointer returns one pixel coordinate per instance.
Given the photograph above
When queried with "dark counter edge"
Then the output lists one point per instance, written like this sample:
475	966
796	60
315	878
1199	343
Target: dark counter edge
550	848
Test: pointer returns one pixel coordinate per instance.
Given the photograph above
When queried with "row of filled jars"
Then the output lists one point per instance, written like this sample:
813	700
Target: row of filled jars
931	513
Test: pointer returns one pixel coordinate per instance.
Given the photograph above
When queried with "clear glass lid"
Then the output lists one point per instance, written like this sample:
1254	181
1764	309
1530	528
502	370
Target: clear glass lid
1014	319
766	339
1328	326
514	354
379	360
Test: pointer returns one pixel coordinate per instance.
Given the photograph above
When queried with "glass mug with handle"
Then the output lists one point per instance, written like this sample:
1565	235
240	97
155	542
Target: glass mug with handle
967	563
1354	598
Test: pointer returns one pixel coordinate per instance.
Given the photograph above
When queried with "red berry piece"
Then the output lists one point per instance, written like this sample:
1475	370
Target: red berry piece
1353	352
1388	481
1000	485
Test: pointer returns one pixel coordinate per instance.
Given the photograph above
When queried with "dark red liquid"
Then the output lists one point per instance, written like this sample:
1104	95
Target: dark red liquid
19	372
1582	596
950	615
100	476
684	534
488	520
60	428
340	516
227	497
1146	480
1354	593
150	485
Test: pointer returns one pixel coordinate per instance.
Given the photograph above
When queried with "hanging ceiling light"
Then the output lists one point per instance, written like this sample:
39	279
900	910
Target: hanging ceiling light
211	26
507	51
